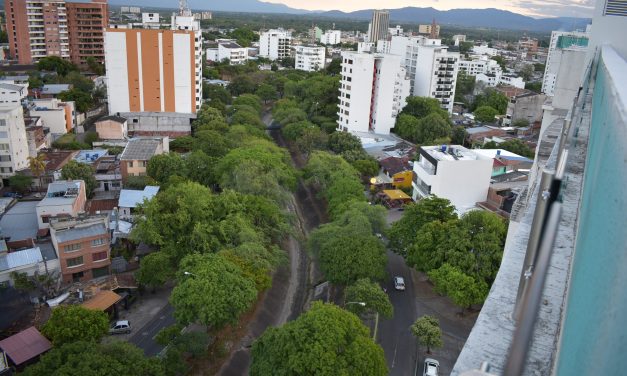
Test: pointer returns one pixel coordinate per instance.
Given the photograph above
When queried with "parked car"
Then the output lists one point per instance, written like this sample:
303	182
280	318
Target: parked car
120	327
399	283
432	367
13	194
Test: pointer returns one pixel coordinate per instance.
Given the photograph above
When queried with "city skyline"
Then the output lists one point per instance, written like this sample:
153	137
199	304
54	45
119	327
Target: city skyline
534	8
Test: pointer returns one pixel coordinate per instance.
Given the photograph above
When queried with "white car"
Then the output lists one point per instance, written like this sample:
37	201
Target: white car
432	367
399	283
122	326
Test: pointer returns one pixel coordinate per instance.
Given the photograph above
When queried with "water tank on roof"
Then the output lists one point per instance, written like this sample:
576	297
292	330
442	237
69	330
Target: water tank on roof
443	148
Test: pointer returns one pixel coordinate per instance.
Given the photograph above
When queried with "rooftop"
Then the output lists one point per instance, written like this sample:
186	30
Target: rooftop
131	198
230	45
20	258
55	160
117	119
102	301
12	87
54	89
451	153
140	149
20	221
89	156
77	233
394	165
62	192
25	345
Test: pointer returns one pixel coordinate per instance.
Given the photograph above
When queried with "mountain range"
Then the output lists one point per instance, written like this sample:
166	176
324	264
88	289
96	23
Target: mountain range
485	18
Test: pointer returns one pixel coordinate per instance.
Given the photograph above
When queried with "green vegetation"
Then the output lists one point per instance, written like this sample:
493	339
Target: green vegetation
156	269
326	340
491	98
424	122
370	293
486	114
73	323
80	171
427	331
20	183
81	358
514	145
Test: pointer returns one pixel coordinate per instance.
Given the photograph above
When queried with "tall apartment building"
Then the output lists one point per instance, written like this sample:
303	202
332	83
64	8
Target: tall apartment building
310	58
432	68
373	90
13	142
560	41
227	49
379	26
155	70
331	37
431	30
275	44
70	30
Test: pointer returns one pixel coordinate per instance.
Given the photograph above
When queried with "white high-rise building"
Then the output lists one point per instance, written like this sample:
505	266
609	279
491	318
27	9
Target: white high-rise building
13	141
331	37
310	58
379	26
432	68
561	40
155	70
275	44
373	91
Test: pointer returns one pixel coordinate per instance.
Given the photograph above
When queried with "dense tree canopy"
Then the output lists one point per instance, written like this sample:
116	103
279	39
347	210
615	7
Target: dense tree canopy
89	358
71	323
214	293
486	114
74	170
423	121
514	145
427	331
463	289
155	270
161	167
325	340
492	98
370	293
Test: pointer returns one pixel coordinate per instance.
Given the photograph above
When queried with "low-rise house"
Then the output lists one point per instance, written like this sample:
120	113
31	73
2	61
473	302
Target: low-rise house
452	172
107	174
228	49
25	346
12	94
63	198
54	162
131	199
112	128
58	116
398	170
137	153
30	261
83	246
526	106
37	137
53	90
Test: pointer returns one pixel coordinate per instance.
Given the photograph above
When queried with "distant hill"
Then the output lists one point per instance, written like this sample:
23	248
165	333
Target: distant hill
489	18
251	6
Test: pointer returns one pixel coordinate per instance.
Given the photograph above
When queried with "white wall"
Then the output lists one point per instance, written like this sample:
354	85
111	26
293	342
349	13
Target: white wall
13	141
182	72
310	58
117	72
360	72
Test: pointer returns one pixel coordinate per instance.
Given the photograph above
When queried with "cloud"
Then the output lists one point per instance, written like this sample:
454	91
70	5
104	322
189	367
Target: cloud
556	8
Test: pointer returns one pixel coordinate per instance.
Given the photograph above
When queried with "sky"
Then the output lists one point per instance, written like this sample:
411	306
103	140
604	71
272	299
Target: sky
534	8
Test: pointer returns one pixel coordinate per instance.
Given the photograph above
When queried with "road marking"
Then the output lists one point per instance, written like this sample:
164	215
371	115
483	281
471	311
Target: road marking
394	358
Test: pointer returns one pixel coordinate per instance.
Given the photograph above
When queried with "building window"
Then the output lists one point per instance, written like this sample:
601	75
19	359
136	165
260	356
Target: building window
97	242
3	122
100	256
130	164
70	247
142	163
74	261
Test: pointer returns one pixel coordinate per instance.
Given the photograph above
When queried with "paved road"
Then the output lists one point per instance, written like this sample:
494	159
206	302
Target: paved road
394	336
144	338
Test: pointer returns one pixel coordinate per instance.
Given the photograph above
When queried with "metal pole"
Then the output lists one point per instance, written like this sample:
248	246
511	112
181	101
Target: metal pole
521	341
376	326
534	238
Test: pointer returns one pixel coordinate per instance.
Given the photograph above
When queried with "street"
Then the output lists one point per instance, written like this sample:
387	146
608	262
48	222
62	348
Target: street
144	338
394	336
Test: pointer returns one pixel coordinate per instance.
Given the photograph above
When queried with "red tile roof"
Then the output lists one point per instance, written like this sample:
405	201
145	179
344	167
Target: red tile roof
25	345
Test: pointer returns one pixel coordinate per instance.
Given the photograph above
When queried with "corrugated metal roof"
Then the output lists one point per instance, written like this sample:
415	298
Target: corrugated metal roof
55	88
131	198
77	233
12	87
140	150
25	345
20	258
102	300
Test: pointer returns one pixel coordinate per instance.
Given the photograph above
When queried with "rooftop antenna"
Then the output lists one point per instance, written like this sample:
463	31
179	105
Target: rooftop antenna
184	9
434	33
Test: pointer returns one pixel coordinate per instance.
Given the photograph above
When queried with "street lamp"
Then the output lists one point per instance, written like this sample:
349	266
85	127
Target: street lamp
376	319
188	273
358	303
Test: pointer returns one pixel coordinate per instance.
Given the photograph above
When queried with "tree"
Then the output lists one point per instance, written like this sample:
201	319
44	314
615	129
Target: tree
216	92
427	331
348	251
80	171
155	270
215	293
465	86
493	99
248	100
407	127
88	358
520	123
289	115
21	183
526	72
162	166
199	167
266	92
326	340
403	232
83	100
421	107
518	147
340	142
501	61
256	261
71	323
463	289
138	182
432	129
486	114
244	36
334	67
241	84
459	135
56	64
94	66
78	81
370	293
534	86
